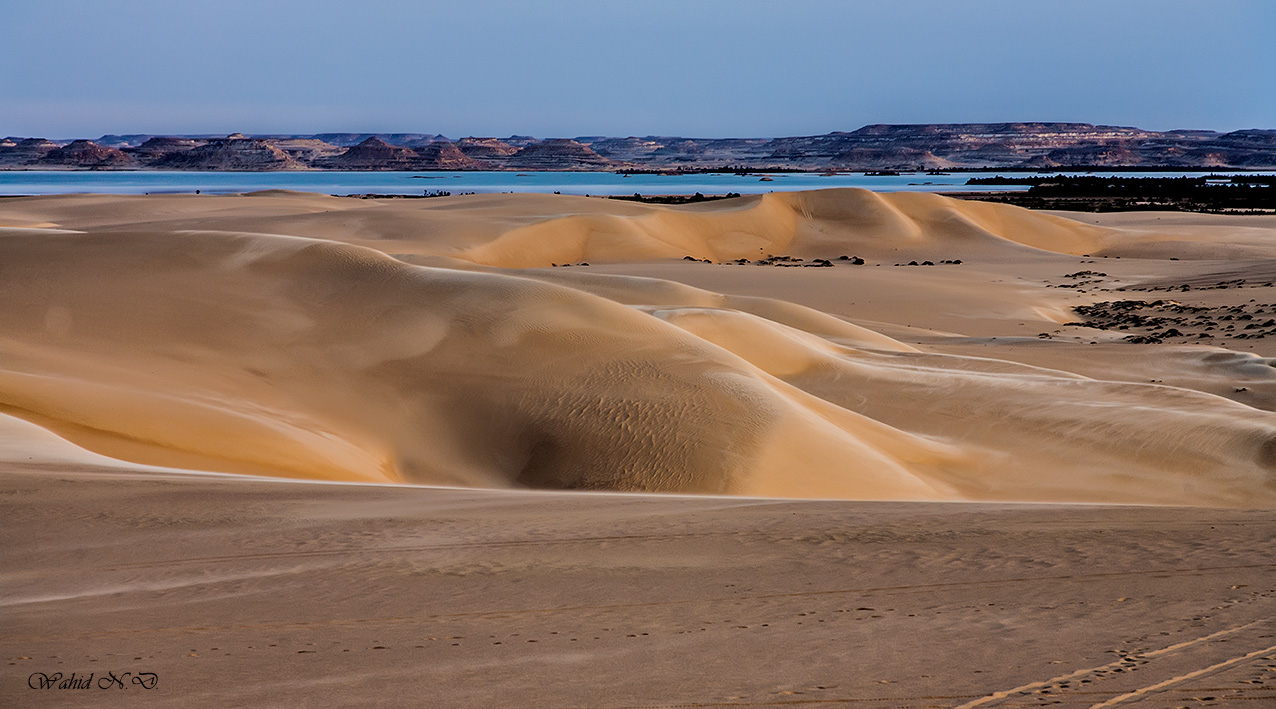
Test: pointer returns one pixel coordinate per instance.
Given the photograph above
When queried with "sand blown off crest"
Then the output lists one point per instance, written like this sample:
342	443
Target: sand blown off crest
425	341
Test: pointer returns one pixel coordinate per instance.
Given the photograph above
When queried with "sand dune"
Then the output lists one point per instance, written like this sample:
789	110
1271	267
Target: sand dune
524	231
424	341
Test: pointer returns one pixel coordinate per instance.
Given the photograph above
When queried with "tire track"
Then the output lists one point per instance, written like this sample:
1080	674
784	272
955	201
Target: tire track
1182	678
1171	649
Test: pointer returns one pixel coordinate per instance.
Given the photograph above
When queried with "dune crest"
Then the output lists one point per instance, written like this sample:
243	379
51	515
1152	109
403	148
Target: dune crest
243	351
365	368
821	222
533	231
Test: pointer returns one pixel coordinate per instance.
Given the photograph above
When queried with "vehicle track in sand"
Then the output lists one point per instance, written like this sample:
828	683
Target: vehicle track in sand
1138	677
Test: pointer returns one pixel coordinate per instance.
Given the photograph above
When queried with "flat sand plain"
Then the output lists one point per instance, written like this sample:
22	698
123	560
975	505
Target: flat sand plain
1020	507
247	592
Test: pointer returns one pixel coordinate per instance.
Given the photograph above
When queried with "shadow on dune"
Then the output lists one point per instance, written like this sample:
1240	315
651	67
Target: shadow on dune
310	358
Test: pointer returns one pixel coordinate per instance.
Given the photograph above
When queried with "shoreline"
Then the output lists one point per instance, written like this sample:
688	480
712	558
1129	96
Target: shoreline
758	170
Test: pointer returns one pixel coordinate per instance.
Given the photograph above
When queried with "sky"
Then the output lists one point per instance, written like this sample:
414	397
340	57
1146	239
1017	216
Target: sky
707	68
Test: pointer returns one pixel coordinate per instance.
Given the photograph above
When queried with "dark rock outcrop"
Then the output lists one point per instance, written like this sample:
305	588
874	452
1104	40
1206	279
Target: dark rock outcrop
1096	155
485	148
1027	145
626	149
868	158
159	147
230	153
520	141
444	156
422	142
559	154
373	154
346	140
307	150
86	153
24	151
873	147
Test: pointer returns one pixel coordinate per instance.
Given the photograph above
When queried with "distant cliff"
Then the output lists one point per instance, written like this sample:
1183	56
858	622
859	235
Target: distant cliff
874	147
86	153
232	153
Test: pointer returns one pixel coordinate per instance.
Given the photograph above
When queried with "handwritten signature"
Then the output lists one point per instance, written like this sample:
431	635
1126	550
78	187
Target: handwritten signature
40	680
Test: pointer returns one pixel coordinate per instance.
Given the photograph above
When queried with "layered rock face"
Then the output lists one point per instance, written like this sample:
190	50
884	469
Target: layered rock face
86	153
230	154
347	140
625	148
16	152
373	154
559	154
874	147
444	156
376	154
485	148
1043	145
520	141
307	150
154	149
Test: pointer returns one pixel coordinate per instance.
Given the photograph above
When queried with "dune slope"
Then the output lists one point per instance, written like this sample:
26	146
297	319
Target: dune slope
531	230
280	335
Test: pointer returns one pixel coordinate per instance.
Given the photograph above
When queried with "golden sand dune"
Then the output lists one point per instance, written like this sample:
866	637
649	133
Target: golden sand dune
393	341
523	231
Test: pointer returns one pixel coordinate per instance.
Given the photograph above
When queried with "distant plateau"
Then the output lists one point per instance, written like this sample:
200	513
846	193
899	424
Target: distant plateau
954	146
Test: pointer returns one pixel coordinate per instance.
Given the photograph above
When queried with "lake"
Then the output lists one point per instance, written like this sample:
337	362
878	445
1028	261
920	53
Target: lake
37	182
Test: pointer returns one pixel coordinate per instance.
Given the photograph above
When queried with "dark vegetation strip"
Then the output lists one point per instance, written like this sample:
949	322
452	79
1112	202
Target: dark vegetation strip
1249	194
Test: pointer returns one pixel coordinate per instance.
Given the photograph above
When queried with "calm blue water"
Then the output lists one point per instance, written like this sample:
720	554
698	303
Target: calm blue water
23	182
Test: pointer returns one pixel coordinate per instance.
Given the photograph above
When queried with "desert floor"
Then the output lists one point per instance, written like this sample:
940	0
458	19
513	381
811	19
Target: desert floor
881	485
247	592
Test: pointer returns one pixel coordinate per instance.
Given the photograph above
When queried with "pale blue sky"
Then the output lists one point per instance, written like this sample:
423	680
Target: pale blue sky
682	67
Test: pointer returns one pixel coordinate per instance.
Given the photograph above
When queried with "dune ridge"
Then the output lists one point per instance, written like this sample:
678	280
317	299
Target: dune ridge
530	230
315	337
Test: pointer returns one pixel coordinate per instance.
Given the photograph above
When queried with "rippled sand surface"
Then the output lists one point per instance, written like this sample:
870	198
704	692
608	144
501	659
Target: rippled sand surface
898	485
433	341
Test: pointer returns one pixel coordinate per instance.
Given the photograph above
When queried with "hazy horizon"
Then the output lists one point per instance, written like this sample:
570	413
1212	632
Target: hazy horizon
572	68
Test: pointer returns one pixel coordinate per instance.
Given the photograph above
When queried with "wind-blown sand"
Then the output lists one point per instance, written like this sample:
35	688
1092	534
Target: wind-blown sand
433	342
419	341
243	592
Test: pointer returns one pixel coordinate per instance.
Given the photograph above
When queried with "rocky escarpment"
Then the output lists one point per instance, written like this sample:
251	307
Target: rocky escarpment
444	156
520	141
869	158
372	154
485	148
376	154
231	153
19	152
727	151
627	149
1117	154
307	151
874	147
559	154
86	153
154	149
346	140
1044	145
